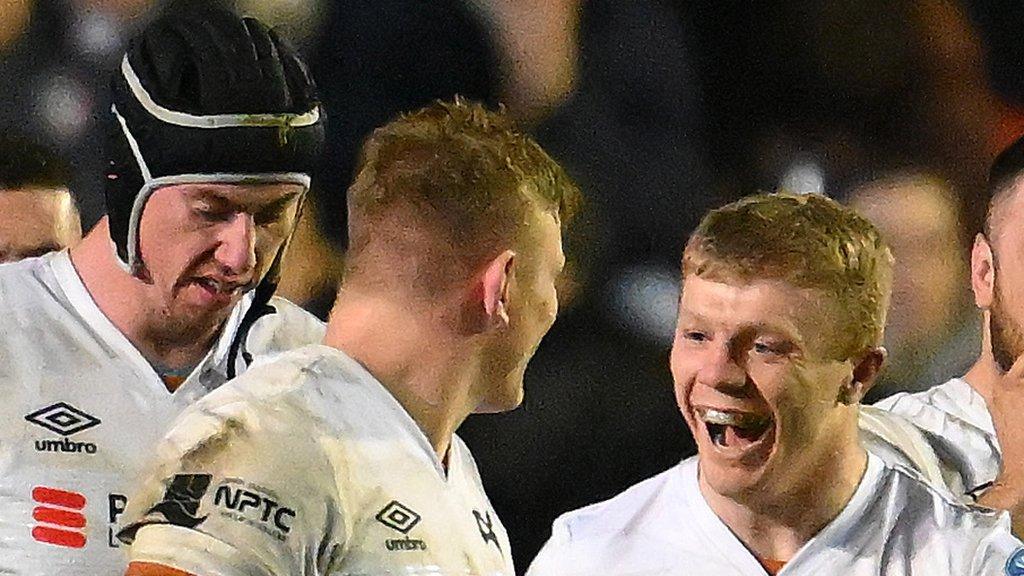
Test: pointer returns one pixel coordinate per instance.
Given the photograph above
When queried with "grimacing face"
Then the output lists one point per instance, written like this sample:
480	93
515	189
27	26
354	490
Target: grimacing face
46	221
204	245
532	308
755	385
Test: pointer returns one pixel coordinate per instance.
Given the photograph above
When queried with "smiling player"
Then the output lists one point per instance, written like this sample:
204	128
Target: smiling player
778	338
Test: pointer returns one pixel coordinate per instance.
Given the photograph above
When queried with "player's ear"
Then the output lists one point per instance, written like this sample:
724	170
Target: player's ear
494	293
866	368
983	272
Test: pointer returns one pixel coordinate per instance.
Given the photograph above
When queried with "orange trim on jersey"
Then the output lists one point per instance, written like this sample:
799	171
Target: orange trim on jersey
773	567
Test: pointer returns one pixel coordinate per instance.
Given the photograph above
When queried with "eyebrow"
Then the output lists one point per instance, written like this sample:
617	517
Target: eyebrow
216	196
781	329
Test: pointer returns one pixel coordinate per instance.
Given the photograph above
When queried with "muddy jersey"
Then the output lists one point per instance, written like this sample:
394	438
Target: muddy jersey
894	525
81	409
307	465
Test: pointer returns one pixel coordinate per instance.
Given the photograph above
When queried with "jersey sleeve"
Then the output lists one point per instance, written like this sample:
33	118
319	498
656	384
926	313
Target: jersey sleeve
237	492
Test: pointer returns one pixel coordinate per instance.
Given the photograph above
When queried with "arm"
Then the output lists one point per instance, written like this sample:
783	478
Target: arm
147	569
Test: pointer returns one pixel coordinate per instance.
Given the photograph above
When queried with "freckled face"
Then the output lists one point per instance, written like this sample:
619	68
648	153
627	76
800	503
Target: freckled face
754	384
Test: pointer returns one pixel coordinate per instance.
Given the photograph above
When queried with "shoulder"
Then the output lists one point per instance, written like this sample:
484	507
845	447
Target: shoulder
933	402
290	326
636	508
638	527
22	283
271	394
310	388
969	539
936	510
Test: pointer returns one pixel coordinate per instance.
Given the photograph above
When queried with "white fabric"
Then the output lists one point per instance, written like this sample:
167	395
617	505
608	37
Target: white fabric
954	422
56	346
893	525
315	434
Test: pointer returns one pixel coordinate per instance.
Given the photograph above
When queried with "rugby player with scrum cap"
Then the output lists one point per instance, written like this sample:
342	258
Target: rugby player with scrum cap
341	458
783	305
214	129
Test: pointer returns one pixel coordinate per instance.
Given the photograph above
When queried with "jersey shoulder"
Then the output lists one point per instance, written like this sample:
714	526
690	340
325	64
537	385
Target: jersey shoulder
310	388
930	408
24	284
634	510
937	510
289	327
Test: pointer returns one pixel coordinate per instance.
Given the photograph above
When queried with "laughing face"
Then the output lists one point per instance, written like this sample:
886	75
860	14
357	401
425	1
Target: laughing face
756	385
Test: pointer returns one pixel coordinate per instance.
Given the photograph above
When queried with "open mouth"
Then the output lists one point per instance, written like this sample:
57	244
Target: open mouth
219	291
731	429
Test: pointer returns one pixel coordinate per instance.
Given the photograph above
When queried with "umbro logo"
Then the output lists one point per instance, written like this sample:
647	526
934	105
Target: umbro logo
398	516
63	418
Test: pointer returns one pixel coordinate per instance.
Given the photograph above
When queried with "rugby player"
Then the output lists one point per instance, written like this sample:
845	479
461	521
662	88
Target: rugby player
783	305
38	213
969	427
214	130
341	458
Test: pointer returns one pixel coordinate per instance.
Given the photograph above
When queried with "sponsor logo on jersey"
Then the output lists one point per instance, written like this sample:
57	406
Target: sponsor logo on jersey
401	518
485	524
180	504
64	419
255	506
1015	565
116	504
60	518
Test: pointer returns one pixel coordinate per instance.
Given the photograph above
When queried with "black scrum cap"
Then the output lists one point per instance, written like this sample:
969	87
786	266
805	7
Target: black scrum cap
206	96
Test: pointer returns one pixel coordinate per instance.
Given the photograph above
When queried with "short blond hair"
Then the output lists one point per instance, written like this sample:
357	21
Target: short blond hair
808	241
461	171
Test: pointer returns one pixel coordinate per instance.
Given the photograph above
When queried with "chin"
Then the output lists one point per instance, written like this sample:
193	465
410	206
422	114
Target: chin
502	398
733	482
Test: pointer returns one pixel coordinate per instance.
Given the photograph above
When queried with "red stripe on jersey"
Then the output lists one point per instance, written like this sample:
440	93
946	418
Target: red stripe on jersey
58	497
59	537
58	516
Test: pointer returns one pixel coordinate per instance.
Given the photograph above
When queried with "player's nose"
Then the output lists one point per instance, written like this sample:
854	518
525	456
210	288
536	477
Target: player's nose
236	246
720	369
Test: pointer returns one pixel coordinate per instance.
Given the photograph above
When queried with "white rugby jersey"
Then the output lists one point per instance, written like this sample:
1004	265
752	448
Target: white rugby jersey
954	421
307	465
81	410
893	525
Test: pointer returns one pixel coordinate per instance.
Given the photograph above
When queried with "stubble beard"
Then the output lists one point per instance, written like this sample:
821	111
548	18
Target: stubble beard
1007	337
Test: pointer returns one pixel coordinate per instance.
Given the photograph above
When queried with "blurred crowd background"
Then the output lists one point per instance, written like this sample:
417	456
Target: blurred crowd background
661	109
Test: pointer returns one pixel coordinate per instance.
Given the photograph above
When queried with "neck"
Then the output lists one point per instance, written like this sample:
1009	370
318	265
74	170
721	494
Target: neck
421	364
985	374
776	524
122	299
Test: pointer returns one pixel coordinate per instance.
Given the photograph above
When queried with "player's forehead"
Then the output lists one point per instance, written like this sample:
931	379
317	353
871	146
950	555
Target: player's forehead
237	194
760	305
